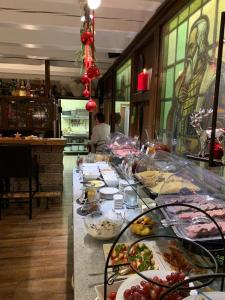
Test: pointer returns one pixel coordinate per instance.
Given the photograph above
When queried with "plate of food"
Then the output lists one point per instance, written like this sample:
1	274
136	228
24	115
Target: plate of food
97	183
164	182
185	261
142	256
135	287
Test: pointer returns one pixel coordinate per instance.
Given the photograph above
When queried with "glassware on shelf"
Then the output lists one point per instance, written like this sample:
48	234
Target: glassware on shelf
28	88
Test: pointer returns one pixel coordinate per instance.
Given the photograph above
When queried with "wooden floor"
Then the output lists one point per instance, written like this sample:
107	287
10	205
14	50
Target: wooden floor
36	257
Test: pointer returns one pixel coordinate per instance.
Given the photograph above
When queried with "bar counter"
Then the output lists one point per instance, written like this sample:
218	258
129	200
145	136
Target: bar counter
39	141
49	155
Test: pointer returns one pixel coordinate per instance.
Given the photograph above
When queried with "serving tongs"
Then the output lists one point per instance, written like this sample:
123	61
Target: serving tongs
122	272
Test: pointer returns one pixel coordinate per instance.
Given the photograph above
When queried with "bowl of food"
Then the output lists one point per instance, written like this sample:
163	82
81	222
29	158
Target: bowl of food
143	226
103	226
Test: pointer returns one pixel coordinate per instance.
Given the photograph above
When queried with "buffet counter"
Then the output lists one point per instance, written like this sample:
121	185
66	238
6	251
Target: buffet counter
181	196
49	155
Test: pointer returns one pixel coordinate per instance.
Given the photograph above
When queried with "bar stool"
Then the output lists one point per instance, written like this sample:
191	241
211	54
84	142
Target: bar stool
16	161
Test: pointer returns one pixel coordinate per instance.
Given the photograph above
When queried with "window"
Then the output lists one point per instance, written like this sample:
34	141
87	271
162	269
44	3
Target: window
188	65
122	105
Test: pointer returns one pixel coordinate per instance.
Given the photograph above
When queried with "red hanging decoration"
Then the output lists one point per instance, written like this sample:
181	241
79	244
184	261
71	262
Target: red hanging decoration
86	92
91	105
87	37
84	79
93	72
88	61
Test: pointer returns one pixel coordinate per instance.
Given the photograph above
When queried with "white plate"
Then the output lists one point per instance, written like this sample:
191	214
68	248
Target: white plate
211	295
108	192
136	279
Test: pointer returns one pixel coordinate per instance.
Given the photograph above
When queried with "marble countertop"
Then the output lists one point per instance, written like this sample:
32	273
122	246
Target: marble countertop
88	252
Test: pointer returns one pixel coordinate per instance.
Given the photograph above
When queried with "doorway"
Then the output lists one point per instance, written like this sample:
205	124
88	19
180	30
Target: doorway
75	125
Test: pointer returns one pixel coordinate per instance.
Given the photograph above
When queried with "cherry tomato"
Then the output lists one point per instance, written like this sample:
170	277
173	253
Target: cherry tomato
112	296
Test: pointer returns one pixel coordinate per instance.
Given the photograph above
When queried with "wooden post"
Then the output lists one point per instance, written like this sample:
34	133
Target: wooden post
217	90
47	78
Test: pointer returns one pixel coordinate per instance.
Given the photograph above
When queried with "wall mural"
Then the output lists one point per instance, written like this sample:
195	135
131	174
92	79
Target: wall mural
189	70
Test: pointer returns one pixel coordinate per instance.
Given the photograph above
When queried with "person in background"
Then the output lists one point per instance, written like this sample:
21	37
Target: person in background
100	133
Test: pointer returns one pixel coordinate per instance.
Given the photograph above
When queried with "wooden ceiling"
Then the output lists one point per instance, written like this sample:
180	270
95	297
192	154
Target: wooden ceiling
32	31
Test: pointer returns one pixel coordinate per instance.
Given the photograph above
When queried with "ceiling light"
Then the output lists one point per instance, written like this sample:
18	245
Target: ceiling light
82	18
30	46
93	4
37	57
29	27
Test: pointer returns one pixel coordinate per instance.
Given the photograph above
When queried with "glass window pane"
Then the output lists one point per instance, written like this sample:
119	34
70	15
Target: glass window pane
173	24
169	83
167	107
179	70
163	76
172	47
193	18
165	50
162	115
209	10
123	82
181	40
183	15
195	5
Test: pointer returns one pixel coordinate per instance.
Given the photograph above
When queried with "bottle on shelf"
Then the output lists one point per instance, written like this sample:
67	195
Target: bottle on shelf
28	88
22	91
17	88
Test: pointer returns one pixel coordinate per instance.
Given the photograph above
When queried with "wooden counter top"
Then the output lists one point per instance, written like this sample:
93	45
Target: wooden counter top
41	141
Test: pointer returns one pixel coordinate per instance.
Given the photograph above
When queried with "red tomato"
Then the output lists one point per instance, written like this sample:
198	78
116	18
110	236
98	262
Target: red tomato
112	296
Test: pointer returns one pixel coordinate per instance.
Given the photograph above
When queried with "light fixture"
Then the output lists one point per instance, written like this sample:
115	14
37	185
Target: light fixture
29	27
30	46
93	4
37	57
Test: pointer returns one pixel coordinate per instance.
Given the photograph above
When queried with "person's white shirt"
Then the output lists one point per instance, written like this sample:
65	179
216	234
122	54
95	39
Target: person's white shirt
99	135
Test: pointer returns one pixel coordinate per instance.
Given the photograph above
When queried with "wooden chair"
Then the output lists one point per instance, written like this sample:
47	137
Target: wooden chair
16	161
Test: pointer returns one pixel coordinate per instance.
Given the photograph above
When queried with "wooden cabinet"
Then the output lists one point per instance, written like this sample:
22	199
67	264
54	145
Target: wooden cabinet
25	114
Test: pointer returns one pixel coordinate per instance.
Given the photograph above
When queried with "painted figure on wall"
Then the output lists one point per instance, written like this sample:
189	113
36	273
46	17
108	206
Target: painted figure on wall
194	88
